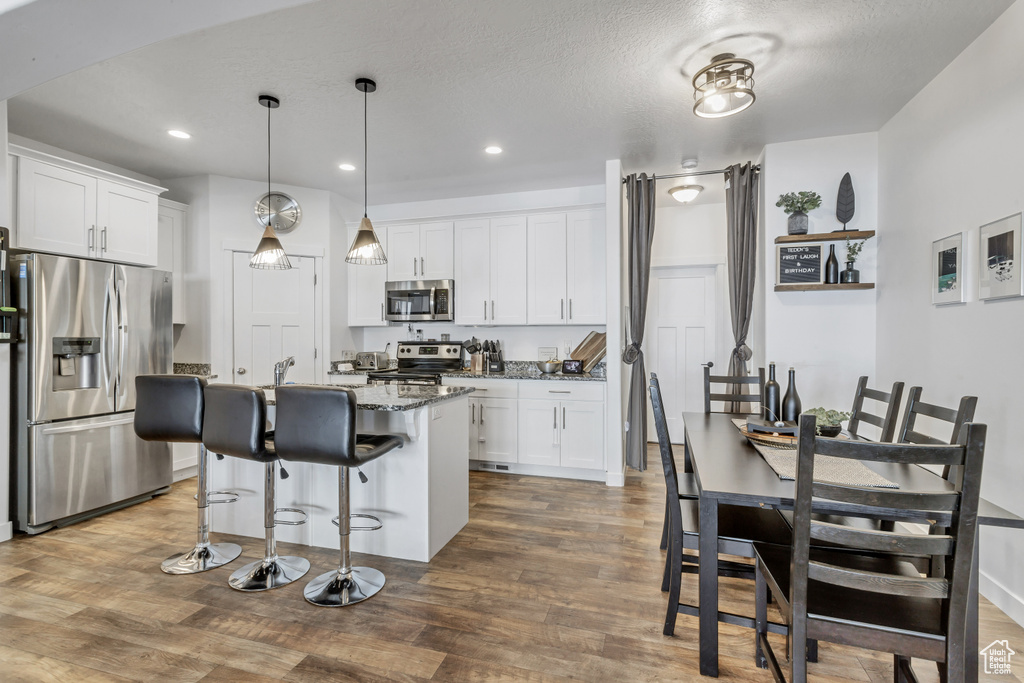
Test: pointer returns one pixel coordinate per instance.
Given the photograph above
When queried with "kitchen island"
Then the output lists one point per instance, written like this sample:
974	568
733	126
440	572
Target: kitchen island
419	491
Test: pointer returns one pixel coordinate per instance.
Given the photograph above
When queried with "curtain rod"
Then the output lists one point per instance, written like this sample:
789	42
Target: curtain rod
757	169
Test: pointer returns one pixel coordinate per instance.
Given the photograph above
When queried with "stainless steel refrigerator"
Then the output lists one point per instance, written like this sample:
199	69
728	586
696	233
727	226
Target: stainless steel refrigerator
87	328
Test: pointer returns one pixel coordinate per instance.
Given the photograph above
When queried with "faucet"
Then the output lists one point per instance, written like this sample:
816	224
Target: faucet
281	369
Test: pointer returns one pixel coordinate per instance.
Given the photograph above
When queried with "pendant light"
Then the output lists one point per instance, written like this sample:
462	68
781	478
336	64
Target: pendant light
269	254
366	249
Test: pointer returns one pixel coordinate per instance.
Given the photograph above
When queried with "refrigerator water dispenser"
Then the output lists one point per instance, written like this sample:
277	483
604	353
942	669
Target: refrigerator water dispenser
76	363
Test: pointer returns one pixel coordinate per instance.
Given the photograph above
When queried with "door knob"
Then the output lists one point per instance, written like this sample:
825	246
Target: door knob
241	371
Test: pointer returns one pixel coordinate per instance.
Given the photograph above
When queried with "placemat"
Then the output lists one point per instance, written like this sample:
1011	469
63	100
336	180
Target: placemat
826	467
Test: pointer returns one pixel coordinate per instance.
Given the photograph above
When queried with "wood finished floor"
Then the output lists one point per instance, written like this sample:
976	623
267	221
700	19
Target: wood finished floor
551	580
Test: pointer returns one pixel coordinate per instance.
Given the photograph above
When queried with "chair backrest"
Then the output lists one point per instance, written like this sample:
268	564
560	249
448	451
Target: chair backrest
316	424
169	408
963	414
959	505
235	422
668	462
736	392
886	423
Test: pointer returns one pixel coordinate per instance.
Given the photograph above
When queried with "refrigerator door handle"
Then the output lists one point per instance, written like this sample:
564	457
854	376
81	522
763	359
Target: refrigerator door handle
122	332
108	333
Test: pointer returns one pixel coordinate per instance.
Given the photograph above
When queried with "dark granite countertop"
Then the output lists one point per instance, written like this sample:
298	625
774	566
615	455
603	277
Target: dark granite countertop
514	370
203	370
393	397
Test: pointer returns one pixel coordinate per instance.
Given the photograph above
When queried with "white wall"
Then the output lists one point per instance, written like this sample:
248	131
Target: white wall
828	336
949	164
618	389
689	235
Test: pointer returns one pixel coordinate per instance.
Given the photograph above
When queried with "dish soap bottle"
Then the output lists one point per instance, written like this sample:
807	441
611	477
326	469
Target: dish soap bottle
791	407
772	401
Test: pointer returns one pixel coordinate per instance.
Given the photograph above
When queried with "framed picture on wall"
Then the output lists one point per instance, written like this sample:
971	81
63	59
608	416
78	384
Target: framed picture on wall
947	281
999	265
800	264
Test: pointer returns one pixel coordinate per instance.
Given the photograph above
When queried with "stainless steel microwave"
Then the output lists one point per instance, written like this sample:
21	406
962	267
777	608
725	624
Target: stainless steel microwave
413	300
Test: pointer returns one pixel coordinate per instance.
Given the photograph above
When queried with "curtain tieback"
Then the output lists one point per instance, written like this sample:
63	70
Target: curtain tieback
632	354
743	352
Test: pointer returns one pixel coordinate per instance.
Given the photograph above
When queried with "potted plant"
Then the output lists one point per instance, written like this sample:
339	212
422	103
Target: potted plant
828	421
853	250
797	204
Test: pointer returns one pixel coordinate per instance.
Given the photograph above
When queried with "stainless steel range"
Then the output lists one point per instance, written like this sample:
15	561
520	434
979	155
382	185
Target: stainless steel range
420	362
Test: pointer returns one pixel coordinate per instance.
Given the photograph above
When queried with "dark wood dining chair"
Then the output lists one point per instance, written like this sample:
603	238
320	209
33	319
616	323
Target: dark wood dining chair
737	392
886	423
866	594
738	527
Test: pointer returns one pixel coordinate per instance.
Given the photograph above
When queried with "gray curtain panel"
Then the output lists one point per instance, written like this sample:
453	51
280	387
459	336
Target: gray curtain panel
741	257
640	200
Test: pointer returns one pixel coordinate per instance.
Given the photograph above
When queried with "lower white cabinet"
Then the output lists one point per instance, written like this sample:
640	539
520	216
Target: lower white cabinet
493	429
561	433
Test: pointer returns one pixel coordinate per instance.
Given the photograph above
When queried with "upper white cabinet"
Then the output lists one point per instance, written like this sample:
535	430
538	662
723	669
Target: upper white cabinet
566	268
172	221
366	287
71	209
490	271
421	252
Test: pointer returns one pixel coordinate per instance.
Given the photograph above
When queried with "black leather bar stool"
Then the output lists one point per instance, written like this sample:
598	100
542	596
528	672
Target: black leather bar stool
235	425
318	425
170	408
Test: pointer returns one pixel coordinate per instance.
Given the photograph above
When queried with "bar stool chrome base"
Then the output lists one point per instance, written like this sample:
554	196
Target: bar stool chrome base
334	589
201	558
263	575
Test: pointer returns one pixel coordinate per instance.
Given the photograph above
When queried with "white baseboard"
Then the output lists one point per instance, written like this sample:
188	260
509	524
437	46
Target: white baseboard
1000	596
185	473
6	531
615	479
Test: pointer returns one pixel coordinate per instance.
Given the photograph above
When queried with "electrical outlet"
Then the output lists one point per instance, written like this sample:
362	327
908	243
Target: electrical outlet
348	355
435	413
547	352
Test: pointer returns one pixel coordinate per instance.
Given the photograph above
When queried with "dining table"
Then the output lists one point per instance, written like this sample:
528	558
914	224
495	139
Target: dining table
728	470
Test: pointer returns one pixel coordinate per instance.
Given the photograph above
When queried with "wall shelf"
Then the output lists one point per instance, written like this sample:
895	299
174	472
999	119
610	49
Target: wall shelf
822	288
826	236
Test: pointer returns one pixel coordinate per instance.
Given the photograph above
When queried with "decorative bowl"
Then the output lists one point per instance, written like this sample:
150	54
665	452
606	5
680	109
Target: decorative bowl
829	430
549	367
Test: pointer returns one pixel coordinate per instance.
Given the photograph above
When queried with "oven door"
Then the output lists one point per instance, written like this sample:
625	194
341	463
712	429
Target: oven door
414	300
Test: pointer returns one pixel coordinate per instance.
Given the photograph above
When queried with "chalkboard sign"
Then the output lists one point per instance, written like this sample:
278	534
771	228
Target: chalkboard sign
801	264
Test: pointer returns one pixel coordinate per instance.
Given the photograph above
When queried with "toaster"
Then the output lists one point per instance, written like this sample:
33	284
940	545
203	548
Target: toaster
372	360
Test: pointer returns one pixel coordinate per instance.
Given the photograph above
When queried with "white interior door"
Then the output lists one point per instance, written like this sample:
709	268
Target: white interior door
274	317
680	336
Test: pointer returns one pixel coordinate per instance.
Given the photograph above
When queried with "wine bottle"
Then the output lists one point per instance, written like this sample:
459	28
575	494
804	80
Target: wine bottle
772	401
832	266
791	401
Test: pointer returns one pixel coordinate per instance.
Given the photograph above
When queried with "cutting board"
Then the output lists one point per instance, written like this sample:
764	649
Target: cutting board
591	350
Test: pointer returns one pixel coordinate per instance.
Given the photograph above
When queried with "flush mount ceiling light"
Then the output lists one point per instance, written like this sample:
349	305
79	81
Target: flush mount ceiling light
724	87
366	249
179	134
346	167
685	194
493	149
269	254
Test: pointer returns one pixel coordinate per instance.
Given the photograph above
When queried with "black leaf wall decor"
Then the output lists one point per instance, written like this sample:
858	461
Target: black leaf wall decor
845	204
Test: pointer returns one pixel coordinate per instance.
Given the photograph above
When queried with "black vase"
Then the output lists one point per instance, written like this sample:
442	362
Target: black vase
791	407
851	274
771	403
832	267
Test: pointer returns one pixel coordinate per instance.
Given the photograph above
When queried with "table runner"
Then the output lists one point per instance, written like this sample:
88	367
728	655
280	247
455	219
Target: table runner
827	468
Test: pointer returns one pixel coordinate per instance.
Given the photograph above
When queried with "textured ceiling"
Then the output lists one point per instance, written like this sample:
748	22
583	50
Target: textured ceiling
561	85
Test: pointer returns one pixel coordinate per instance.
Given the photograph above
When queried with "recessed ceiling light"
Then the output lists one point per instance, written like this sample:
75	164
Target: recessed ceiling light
493	149
179	134
346	167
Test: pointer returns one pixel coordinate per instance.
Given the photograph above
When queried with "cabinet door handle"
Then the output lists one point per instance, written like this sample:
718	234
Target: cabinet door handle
103	238
561	314
570	309
481	415
485	310
423	268
414	266
554	426
382	312
563	417
558	391
492	309
472	407
92	243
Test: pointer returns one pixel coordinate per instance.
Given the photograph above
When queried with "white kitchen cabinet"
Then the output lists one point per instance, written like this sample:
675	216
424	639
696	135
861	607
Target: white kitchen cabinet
586	272
71	209
495	424
561	424
366	287
172	221
490	271
421	252
582	435
539	435
566	269
545	269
